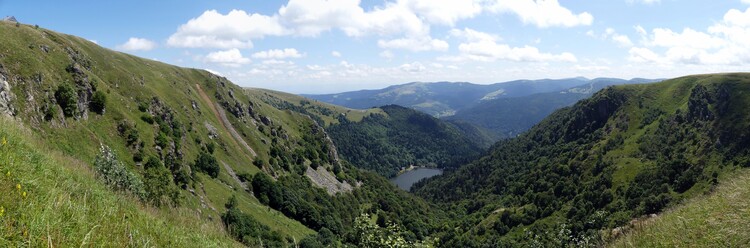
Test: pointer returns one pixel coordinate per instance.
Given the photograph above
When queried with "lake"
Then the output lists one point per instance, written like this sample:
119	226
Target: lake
406	180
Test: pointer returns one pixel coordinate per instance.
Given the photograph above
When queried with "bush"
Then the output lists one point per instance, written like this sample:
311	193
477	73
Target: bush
158	183
67	99
98	102
206	163
243	227
148	118
114	174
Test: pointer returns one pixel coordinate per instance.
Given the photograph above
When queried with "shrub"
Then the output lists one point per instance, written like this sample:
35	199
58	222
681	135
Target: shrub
258	162
98	102
114	174
243	227
67	99
207	163
158	183
147	118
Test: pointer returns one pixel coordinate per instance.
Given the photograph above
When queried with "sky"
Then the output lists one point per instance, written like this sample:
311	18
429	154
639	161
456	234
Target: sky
329	46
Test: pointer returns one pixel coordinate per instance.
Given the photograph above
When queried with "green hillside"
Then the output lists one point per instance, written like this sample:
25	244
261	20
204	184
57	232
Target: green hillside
626	152
50	199
402	138
718	219
178	140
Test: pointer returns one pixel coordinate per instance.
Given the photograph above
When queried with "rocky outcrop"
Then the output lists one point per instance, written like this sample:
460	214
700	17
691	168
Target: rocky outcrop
10	19
325	179
84	89
6	96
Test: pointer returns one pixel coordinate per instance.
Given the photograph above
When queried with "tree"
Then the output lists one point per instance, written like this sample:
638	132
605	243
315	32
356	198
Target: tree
67	99
98	102
207	163
158	182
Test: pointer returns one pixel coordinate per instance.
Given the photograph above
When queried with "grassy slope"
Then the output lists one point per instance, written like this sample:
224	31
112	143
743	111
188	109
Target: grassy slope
315	106
127	79
66	206
720	219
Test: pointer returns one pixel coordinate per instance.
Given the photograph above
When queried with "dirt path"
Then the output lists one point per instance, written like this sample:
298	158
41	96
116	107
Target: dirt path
219	113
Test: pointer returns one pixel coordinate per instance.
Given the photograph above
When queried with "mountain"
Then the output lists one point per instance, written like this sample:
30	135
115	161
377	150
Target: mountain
626	152
509	116
386	139
444	98
109	149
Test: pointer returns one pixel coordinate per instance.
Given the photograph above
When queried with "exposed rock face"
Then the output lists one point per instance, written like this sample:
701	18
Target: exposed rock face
10	19
84	88
212	132
325	179
6	96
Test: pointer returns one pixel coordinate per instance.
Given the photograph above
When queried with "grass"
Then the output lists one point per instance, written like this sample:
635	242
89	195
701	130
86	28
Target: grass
720	219
70	144
50	199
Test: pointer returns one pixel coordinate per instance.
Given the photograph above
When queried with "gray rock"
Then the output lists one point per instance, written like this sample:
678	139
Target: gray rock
10	19
6	96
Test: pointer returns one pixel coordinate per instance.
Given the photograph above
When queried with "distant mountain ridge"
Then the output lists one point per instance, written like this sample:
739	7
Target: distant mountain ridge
442	99
510	116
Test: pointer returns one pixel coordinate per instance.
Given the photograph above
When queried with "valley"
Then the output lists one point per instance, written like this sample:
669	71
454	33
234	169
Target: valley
99	147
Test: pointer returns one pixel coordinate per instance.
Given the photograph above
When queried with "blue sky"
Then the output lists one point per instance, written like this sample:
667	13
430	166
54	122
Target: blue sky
325	46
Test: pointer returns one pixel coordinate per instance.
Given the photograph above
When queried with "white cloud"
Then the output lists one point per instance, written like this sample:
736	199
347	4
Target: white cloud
214	72
387	54
492	51
285	53
542	13
415	44
336	54
275	62
399	24
137	44
746	1
231	58
649	2
473	35
610	34
312	17
724	43
413	67
482	46
236	29
445	12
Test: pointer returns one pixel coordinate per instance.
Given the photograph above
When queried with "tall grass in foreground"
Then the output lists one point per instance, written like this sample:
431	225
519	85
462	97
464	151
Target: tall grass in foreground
721	219
49	199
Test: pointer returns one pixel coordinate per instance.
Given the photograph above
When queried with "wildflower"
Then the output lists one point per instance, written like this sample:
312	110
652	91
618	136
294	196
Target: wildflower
7	174
24	194
2	211
18	186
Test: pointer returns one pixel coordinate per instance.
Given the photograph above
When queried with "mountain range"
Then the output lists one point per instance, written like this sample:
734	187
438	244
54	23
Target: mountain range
499	111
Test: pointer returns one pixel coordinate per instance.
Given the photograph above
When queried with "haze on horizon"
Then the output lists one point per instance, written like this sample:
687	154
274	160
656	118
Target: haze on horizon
328	46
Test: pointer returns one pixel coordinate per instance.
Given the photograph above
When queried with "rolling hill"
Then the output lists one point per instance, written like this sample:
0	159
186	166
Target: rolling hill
626	152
